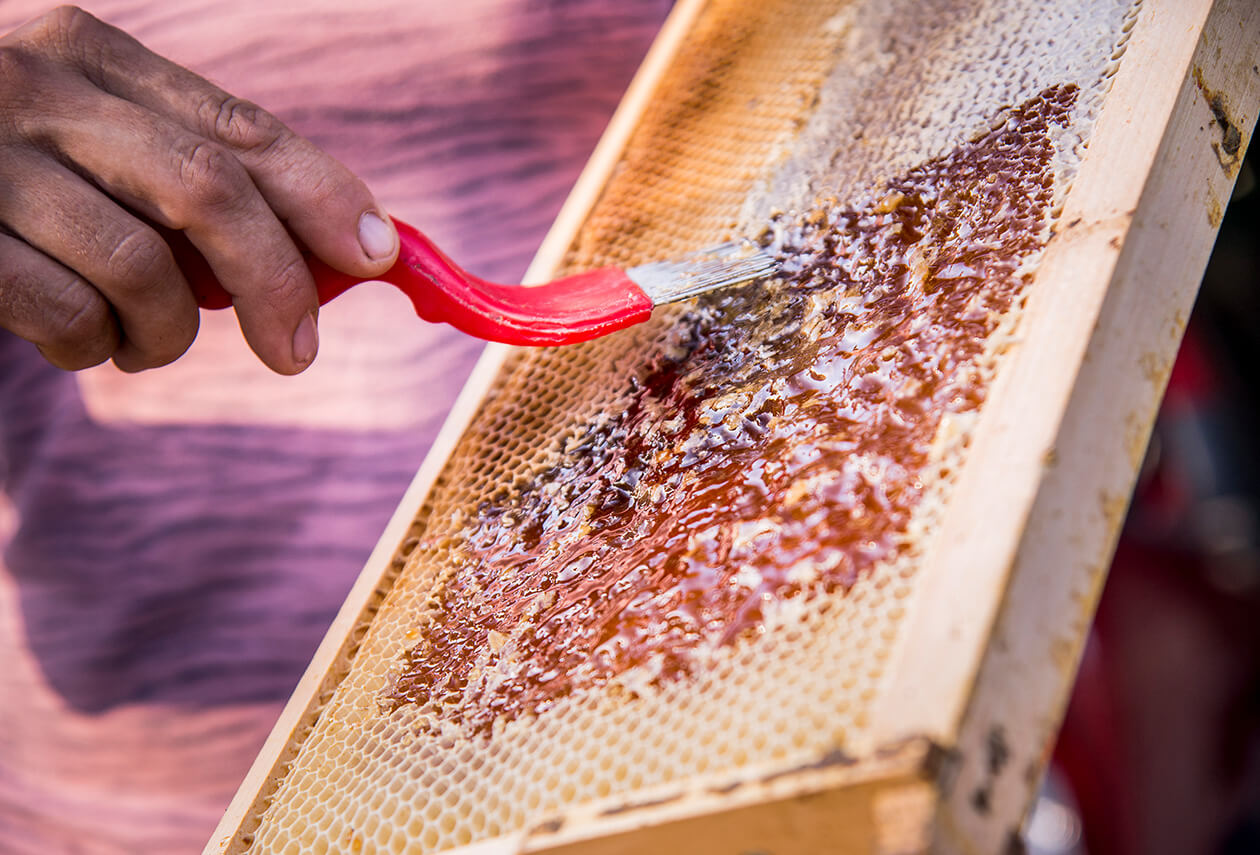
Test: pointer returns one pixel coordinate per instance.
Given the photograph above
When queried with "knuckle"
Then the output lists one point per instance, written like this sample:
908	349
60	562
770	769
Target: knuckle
140	262
59	312
289	285
212	178
242	124
68	17
80	327
326	187
155	348
64	28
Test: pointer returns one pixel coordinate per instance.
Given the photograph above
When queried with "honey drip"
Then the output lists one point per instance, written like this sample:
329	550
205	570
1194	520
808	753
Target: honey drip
779	453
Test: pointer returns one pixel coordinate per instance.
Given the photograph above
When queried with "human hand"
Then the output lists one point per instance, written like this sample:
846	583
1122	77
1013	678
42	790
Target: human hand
107	153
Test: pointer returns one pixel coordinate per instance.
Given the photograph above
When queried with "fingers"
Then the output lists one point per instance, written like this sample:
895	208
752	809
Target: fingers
323	203
67	219
109	126
47	304
328	208
180	180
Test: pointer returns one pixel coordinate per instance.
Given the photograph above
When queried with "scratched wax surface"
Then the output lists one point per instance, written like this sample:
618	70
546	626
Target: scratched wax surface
689	551
778	452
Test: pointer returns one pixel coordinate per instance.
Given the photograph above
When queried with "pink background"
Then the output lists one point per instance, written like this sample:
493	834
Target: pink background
177	542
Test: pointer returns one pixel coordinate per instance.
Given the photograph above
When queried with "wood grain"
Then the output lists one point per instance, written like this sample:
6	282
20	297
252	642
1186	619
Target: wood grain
177	542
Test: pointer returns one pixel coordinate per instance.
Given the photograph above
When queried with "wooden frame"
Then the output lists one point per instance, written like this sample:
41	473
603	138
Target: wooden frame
1023	548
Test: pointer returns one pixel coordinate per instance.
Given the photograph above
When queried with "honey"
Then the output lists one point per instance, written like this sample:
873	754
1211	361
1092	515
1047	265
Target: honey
776	452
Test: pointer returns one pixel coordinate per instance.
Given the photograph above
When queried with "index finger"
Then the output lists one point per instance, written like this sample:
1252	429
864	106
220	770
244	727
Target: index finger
329	209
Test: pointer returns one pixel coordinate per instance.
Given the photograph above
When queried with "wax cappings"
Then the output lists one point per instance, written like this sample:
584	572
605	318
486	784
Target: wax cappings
832	522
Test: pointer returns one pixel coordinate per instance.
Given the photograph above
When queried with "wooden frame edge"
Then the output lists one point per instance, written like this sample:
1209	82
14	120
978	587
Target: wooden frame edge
1065	549
1017	436
889	793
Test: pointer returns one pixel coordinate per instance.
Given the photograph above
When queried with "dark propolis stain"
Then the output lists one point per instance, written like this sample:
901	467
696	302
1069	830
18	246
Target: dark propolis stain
997	751
1228	149
832	759
627	807
550	826
779	454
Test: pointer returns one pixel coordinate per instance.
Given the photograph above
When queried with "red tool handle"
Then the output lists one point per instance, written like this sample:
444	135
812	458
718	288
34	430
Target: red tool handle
566	311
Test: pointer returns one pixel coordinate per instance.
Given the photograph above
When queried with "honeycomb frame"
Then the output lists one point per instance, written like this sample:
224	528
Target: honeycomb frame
926	760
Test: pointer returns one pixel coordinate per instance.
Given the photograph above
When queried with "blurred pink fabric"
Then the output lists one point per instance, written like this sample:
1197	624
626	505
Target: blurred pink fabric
176	543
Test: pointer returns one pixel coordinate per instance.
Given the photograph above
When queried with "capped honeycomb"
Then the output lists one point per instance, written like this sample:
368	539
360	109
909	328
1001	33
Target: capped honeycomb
690	547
